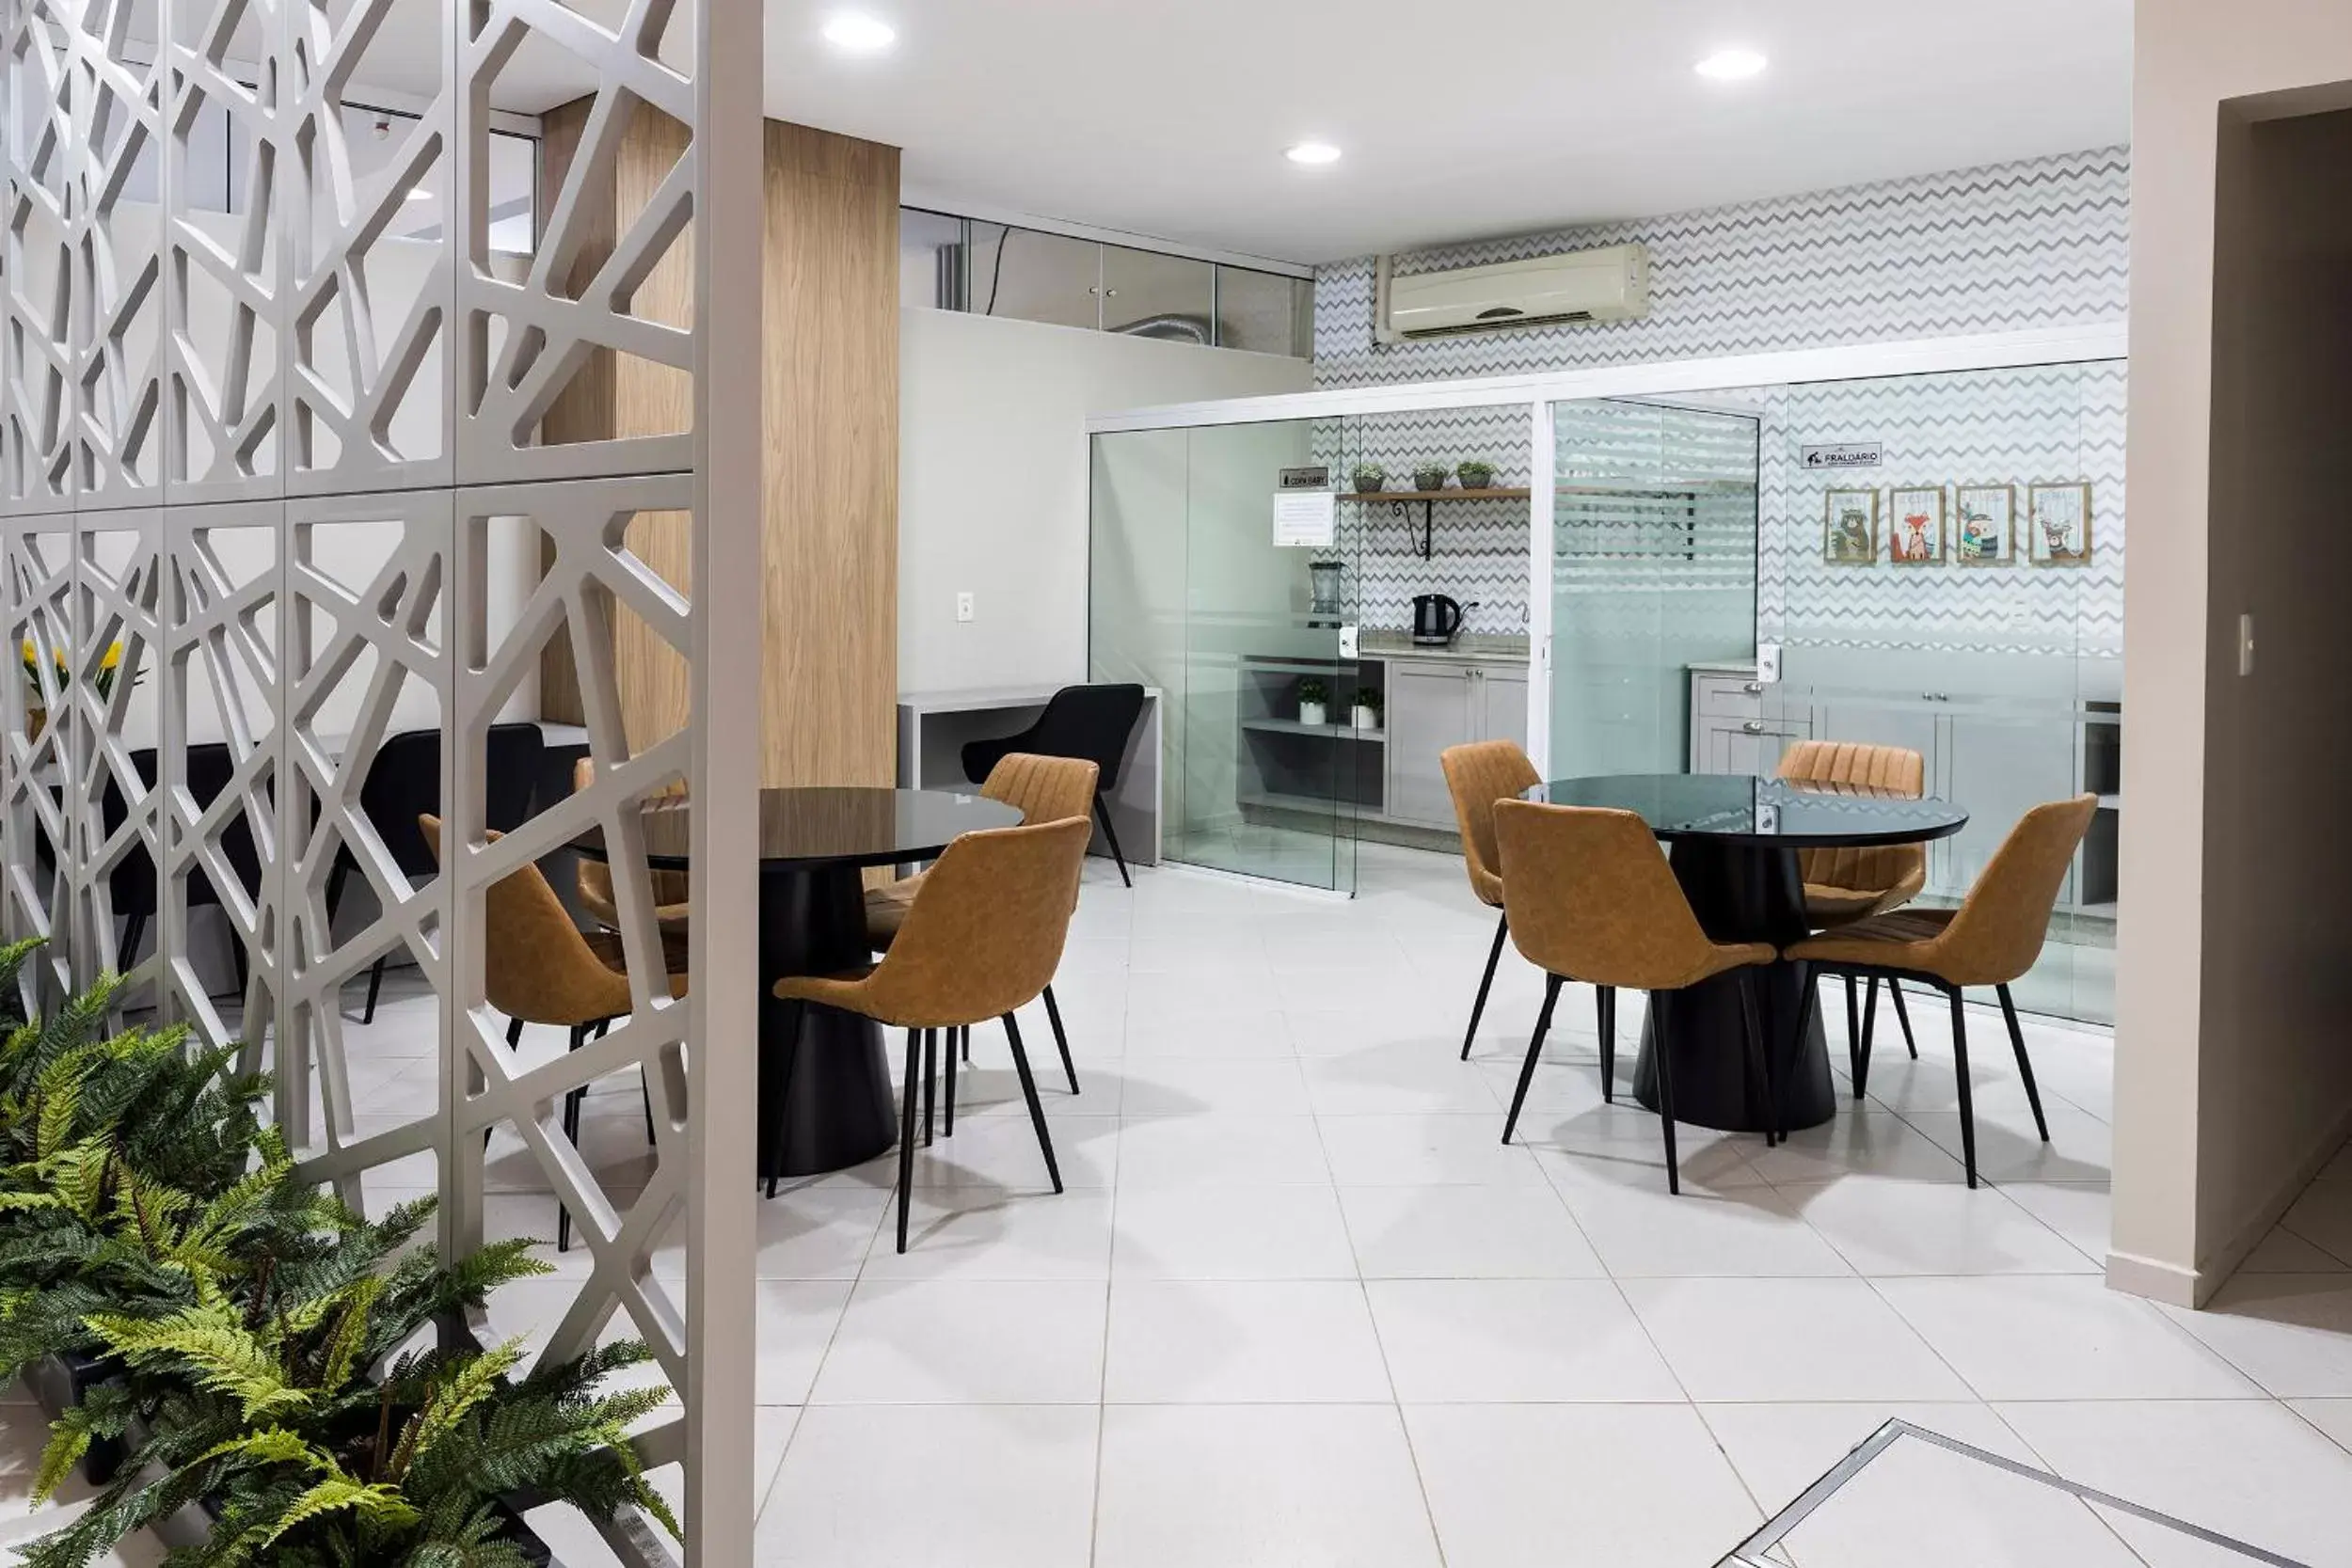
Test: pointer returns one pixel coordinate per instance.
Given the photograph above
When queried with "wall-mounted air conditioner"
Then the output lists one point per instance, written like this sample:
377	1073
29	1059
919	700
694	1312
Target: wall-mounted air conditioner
1610	285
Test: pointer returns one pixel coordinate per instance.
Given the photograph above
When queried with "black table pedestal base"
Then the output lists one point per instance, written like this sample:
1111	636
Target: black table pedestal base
1739	893
837	1108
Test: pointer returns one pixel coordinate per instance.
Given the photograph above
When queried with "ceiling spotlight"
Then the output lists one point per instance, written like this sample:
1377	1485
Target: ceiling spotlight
1313	152
859	34
420	194
1732	65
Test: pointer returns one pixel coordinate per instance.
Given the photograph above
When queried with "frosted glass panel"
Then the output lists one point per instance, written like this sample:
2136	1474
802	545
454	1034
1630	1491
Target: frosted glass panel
1653	571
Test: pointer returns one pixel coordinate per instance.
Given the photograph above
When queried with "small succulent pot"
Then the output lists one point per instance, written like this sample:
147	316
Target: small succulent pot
1367	720
1368	478
1476	476
1429	476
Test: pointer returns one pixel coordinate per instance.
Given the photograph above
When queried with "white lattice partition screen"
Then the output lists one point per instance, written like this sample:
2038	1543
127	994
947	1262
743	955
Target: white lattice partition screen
270	450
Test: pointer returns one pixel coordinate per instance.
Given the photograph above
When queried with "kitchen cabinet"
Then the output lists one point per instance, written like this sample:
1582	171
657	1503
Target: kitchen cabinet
1733	731
1437	704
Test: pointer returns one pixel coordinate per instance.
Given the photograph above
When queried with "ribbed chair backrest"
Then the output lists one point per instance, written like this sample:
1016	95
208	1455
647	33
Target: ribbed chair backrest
595	877
1892	769
1042	789
985	932
1590	897
1478	775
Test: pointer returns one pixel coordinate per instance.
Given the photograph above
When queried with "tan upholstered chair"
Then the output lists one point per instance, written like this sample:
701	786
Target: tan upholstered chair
981	941
1042	789
1990	940
1591	897
594	882
540	968
1842	886
1477	775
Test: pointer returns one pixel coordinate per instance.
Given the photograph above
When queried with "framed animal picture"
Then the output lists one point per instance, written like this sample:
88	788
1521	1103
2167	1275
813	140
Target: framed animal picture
1914	526
1850	528
2058	524
1984	525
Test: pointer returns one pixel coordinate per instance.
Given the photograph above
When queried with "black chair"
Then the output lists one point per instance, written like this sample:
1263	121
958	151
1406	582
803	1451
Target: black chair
404	782
209	769
1088	721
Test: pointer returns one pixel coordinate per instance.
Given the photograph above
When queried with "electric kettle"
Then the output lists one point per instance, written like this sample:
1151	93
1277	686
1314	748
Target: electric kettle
1436	620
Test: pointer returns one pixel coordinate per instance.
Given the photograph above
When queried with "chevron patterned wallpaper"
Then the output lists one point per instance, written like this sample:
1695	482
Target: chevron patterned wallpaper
2039	242
2051	425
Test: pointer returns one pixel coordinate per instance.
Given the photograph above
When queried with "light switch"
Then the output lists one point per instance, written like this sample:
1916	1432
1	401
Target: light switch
963	607
1768	662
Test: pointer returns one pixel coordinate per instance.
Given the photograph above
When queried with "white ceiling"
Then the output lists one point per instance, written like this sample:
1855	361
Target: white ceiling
1459	119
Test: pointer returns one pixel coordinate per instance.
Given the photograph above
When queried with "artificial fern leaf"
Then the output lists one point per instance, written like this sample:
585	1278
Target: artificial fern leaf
376	1501
213	1348
68	1440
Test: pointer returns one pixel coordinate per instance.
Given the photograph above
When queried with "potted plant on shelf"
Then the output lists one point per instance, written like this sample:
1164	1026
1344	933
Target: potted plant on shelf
1477	475
1368	478
1367	714
1312	697
1429	476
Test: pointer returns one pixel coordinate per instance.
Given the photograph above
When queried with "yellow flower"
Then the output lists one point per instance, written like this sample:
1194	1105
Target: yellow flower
114	658
31	653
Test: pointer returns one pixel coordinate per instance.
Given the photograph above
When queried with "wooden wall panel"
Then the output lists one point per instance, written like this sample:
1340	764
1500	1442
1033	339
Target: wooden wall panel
831	415
828	690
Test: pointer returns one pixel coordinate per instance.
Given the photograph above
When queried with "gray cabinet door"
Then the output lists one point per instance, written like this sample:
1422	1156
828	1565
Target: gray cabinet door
1744	745
1502	706
1429	709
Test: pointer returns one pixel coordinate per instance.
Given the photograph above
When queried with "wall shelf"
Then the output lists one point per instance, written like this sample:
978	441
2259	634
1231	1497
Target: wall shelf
1403	501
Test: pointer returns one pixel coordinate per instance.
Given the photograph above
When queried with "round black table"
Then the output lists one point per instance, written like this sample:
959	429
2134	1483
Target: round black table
1732	840
813	847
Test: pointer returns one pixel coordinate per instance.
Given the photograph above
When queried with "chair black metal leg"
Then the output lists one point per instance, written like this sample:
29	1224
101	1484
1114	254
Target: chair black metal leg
375	985
1857	1045
1606	999
1535	1048
1061	1040
966	1033
2025	1065
1663	1055
133	927
335	890
791	1031
1759	1070
1895	994
1967	1092
906	1132
1871	1015
1028	1092
571	1134
930	1083
955	1045
1485	983
1103	815
513	1034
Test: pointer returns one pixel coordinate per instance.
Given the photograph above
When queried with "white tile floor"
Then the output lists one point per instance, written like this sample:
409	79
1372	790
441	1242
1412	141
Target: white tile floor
1301	1306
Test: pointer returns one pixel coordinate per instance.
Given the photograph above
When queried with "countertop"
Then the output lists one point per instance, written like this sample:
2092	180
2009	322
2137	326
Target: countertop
1467	649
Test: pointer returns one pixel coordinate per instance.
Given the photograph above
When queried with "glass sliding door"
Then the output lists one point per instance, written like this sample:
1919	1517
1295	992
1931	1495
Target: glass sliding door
1193	592
1653	577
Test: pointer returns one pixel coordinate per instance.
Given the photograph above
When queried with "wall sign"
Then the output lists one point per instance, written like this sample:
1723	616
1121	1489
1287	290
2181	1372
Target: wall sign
1317	478
1303	518
1848	454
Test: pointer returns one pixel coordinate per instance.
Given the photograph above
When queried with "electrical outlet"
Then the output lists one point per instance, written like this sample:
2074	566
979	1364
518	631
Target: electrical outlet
963	607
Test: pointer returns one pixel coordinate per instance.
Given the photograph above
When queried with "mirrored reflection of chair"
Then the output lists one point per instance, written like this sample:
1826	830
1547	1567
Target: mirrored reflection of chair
1042	789
1478	775
1992	940
593	882
981	940
1091	722
1842	886
1591	897
540	968
209	768
404	782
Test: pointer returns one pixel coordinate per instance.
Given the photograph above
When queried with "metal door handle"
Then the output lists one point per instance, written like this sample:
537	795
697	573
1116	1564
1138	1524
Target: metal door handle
1755	689
1754	726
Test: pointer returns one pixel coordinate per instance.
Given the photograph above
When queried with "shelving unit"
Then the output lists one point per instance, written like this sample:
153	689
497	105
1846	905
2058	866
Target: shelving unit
1323	770
1403	502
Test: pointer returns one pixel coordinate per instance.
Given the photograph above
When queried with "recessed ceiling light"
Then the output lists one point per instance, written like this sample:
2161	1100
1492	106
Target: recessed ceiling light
1313	152
859	34
420	194
1732	65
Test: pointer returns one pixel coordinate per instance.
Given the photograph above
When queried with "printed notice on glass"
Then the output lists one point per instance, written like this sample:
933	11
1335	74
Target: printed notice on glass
1303	519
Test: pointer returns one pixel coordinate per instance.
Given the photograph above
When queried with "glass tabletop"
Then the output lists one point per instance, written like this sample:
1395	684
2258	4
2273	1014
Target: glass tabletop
825	826
1741	807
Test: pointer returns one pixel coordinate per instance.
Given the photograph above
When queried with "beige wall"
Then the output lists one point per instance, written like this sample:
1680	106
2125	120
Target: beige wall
2224	1093
993	459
